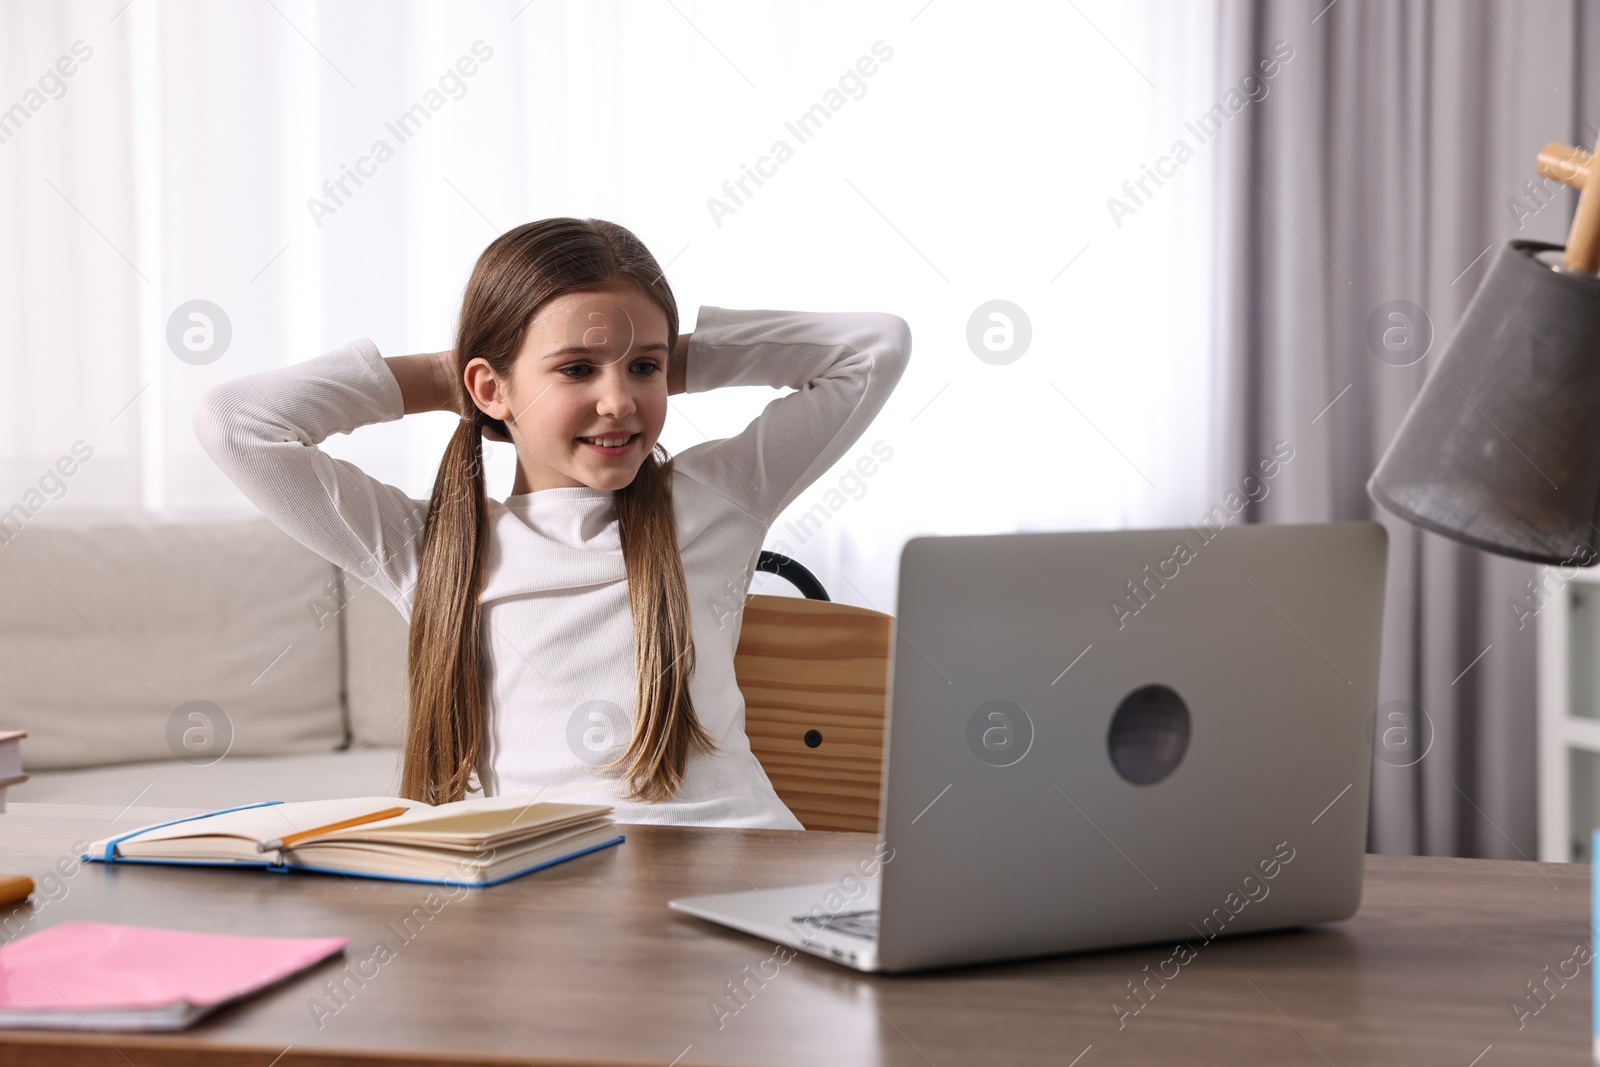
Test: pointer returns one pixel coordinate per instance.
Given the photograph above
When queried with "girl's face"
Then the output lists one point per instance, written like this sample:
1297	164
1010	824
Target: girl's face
593	364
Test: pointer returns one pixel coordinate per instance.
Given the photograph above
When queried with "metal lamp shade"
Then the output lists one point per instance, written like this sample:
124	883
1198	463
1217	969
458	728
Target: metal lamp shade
1501	449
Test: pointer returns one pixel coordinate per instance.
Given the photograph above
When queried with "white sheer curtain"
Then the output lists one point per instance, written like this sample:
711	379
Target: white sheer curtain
184	160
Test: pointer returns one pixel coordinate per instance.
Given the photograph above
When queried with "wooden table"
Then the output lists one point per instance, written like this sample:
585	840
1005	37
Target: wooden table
584	963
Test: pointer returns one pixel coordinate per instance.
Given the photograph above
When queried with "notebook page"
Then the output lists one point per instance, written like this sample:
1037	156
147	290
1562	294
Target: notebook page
267	821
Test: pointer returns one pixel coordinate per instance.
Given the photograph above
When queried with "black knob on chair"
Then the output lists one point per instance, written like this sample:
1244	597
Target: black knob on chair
813	738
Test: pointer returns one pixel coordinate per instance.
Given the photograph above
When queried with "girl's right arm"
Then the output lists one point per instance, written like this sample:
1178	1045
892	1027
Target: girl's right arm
263	431
424	380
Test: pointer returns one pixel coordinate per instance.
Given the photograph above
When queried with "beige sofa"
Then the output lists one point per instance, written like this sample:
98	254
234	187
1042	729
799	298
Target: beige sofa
196	665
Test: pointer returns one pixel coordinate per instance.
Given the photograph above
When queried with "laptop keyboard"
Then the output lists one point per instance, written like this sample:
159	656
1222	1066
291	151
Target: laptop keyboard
862	924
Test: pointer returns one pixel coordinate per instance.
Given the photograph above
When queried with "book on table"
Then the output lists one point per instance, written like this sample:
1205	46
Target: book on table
10	761
475	842
84	975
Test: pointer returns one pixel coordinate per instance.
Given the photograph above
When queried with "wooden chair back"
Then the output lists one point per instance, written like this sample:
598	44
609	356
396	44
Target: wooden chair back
815	679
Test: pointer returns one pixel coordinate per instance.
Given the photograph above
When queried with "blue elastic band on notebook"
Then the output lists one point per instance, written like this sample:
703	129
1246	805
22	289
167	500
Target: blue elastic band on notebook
111	846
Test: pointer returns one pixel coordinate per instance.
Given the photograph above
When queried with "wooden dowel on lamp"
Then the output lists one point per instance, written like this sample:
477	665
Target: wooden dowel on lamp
1570	166
1564	163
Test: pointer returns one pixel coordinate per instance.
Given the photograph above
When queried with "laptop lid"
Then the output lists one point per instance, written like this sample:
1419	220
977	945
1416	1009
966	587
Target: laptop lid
1106	738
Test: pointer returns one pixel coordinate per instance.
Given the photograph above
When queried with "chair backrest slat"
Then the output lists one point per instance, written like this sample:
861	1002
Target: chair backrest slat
814	665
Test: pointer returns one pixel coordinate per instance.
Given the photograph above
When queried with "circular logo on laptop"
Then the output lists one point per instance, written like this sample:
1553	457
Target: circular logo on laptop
999	733
598	732
1149	734
199	732
1401	733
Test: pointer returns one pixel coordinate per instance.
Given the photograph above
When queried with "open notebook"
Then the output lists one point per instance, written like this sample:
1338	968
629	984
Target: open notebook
474	842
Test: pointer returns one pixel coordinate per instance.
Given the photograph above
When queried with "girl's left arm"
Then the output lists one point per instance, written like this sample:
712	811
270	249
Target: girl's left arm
843	367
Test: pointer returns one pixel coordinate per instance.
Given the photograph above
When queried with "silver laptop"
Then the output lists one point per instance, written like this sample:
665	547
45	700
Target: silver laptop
1107	738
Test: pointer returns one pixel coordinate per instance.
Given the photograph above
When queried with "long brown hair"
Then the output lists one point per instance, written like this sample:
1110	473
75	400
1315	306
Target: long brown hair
518	274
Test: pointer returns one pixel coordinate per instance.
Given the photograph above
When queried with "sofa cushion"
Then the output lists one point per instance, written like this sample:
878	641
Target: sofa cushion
148	641
230	783
375	666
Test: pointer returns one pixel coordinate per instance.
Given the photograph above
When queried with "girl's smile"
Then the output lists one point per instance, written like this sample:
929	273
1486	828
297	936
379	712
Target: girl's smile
622	449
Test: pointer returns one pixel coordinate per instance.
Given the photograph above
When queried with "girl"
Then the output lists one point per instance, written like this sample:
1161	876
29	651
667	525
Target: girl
575	640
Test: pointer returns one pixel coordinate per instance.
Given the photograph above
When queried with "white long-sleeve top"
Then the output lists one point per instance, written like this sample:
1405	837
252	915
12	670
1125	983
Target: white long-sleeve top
559	670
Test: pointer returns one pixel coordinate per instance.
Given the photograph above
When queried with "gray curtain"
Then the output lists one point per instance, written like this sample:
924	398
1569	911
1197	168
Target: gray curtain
1388	158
